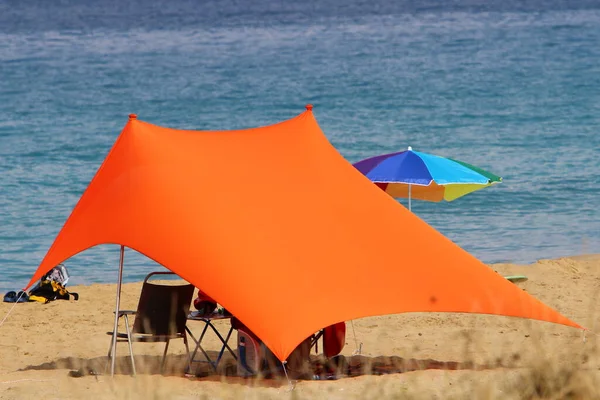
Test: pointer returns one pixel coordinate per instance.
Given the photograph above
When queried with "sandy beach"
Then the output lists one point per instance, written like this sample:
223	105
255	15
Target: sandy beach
408	355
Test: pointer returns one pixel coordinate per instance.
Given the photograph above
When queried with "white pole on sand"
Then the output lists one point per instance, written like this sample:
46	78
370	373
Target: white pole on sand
117	307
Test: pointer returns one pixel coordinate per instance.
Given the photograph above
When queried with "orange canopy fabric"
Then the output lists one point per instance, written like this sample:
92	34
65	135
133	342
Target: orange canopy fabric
280	229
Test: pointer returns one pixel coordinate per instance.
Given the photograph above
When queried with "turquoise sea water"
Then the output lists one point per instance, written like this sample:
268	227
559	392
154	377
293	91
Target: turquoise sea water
511	87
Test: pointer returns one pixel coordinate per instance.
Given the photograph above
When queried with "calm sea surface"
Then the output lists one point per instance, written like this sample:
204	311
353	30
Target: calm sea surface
513	87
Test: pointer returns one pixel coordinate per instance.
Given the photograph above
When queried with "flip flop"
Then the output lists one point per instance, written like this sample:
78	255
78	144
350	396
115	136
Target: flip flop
83	372
77	374
10	297
516	278
22	297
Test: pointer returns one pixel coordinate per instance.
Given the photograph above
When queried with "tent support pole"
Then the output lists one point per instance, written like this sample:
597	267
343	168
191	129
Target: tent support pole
409	205
117	307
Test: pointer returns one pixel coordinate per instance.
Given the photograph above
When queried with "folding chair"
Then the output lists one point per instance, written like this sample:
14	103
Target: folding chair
161	316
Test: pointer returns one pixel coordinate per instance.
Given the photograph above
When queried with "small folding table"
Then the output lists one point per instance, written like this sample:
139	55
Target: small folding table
208	322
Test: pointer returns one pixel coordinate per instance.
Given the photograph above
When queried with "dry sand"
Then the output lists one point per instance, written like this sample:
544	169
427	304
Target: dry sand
441	355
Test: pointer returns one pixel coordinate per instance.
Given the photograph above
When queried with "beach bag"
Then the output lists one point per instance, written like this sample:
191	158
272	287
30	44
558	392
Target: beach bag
57	274
49	290
52	286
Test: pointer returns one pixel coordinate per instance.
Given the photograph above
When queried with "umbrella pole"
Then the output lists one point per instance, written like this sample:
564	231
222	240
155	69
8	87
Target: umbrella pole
409	205
117	306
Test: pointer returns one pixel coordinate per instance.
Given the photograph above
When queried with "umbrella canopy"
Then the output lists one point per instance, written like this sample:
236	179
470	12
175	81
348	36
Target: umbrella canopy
412	174
275	225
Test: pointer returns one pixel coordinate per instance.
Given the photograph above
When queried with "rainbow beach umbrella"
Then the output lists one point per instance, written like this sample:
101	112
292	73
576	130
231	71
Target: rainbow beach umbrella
415	175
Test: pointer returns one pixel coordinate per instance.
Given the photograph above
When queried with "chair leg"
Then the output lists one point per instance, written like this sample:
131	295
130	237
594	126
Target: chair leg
106	368
110	355
164	358
187	351
130	345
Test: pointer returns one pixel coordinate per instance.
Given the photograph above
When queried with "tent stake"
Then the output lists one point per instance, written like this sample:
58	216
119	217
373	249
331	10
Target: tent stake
117	307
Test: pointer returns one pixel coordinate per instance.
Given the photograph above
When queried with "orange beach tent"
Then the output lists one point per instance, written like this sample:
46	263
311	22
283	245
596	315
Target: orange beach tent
280	229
